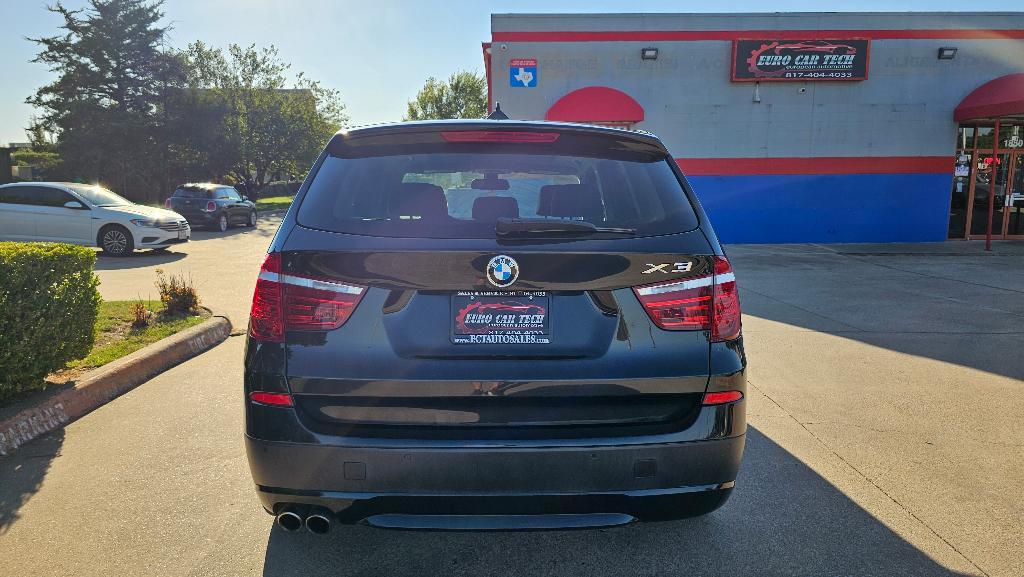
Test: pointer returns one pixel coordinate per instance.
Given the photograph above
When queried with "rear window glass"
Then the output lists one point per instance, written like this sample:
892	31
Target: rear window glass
462	194
193	193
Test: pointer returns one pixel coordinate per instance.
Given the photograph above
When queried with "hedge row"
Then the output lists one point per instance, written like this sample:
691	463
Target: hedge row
280	188
48	308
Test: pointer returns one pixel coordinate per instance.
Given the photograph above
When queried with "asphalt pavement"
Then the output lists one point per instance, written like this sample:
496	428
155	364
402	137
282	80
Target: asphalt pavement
885	395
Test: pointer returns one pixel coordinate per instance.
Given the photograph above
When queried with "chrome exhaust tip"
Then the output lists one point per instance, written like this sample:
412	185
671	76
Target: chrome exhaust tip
319	522
289	520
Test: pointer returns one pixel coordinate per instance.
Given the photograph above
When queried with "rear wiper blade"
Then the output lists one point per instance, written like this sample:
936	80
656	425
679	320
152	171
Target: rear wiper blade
550	226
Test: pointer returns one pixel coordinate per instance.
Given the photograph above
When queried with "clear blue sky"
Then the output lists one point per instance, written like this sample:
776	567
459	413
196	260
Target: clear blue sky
377	53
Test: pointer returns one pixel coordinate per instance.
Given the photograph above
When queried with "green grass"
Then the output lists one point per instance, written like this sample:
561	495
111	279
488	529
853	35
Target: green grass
116	338
274	202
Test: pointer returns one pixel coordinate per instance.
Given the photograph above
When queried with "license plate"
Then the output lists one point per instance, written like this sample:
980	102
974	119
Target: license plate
501	318
182	234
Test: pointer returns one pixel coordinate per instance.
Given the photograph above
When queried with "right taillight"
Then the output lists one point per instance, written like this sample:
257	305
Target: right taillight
725	324
709	303
291	302
211	206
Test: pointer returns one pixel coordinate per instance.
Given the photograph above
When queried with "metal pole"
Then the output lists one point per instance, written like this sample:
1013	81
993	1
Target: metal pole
992	187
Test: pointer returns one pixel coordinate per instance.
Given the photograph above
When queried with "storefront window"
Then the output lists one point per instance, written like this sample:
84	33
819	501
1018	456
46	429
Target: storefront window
1011	136
965	137
958	197
985	136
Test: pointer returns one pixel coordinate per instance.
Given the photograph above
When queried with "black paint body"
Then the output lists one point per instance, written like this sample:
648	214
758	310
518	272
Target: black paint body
397	426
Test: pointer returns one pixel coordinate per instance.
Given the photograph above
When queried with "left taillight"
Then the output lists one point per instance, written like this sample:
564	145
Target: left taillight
708	303
167	203
291	302
272	399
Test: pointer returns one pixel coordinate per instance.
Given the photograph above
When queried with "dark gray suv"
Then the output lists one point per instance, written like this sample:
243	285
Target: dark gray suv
494	324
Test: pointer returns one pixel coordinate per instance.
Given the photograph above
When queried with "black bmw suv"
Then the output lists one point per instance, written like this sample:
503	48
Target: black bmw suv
494	324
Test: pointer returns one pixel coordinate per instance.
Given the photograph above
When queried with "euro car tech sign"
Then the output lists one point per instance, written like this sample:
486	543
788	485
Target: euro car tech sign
756	60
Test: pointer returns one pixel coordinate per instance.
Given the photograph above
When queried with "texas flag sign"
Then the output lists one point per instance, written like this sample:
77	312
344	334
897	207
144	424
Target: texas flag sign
522	73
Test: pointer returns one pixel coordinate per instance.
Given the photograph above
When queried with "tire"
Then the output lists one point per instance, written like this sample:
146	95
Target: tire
252	219
115	240
222	223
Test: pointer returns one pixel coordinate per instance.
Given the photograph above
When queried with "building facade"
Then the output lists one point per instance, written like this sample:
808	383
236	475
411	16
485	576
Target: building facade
800	127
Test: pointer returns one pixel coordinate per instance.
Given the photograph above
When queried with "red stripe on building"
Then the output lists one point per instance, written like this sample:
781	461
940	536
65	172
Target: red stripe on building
817	165
692	35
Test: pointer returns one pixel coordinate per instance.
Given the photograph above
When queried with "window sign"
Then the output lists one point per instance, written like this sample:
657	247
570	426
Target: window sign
522	72
1014	140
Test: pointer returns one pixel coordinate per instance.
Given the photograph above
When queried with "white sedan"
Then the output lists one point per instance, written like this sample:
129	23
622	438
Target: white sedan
86	215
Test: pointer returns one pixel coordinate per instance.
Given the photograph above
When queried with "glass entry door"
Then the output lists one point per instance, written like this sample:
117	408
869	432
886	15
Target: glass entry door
991	175
1013	200
985	168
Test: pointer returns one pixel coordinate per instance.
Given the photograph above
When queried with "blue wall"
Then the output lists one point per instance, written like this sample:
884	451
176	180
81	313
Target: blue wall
826	208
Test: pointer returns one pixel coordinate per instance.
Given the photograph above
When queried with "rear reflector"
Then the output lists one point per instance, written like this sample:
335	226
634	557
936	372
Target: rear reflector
288	302
709	303
498	136
274	399
722	397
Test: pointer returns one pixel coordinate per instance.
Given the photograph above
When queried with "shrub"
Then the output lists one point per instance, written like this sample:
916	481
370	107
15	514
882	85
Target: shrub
140	315
48	308
177	294
279	188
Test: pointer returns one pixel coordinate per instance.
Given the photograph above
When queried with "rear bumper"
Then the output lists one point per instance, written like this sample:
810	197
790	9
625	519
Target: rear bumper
201	218
509	512
541	486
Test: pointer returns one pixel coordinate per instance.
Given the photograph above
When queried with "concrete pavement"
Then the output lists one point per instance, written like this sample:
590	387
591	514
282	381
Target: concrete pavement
223	267
884	440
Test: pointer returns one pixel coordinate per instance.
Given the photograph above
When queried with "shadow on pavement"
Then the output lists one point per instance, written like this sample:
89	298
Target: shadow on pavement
783	519
941	307
137	259
200	235
22	474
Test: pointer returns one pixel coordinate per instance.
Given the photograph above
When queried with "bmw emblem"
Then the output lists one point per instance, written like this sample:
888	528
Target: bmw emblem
502	271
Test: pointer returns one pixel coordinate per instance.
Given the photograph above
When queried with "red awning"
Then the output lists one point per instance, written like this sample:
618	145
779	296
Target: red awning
596	105
1003	96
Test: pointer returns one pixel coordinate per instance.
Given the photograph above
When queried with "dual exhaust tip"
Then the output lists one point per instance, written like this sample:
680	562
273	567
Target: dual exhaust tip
317	521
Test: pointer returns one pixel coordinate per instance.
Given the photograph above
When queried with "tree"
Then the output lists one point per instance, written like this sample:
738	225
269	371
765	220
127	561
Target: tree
44	162
101	106
463	96
126	111
40	139
265	126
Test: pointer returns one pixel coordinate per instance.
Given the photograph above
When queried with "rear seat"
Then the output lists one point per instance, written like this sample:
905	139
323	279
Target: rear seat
575	201
418	200
490	208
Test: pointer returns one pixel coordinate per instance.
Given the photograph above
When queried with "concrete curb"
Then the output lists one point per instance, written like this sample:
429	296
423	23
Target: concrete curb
106	383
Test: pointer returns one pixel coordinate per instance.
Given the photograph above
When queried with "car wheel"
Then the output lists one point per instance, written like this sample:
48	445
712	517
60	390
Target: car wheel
252	218
115	240
222	222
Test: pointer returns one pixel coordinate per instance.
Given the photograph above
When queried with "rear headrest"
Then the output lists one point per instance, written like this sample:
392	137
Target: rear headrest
570	200
489	208
420	199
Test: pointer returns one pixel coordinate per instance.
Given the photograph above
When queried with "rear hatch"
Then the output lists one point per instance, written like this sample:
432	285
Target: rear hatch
190	201
480	283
